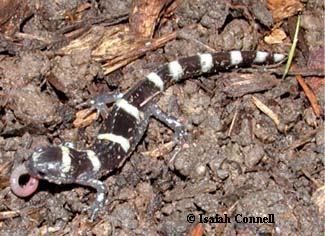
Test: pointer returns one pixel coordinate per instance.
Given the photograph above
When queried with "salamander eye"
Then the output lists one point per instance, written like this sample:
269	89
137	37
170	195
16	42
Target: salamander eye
40	173
39	149
69	145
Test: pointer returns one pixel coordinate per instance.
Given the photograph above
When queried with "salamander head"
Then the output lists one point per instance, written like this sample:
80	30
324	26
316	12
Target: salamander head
44	163
53	164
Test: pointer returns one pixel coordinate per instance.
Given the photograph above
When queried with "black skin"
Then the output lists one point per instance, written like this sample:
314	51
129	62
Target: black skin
47	163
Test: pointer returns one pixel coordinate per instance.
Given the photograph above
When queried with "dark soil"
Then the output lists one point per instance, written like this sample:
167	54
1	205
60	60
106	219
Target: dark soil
236	159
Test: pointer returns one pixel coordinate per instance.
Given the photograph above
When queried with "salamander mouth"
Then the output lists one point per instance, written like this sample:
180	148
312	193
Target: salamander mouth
22	183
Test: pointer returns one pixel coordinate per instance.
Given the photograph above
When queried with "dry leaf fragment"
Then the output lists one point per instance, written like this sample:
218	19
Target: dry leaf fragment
276	37
282	9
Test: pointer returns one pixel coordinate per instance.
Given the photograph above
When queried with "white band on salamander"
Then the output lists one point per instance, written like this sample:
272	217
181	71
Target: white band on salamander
260	57
125	144
128	108
100	197
154	78
66	159
206	62
93	158
175	70
278	57
235	58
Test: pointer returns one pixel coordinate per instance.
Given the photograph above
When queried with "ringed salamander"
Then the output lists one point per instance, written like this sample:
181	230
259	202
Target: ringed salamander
124	126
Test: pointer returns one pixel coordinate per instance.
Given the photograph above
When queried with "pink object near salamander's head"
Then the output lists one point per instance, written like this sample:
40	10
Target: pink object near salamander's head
22	190
39	166
49	163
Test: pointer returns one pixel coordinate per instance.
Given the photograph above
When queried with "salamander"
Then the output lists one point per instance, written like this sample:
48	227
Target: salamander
124	126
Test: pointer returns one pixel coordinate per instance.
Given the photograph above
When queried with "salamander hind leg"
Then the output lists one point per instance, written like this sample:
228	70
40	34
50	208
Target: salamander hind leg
101	195
170	121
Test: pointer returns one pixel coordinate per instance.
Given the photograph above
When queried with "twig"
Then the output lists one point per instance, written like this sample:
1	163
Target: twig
310	95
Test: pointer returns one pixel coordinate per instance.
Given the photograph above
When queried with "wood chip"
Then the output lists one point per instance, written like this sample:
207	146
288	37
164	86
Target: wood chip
282	9
276	37
197	230
310	95
144	16
265	109
82	121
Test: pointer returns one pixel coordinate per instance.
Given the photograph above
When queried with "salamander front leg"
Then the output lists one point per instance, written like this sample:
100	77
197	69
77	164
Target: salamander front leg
101	195
99	103
170	121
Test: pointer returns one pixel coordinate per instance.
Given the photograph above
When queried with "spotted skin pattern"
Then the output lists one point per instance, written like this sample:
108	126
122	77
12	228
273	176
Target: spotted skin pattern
125	125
